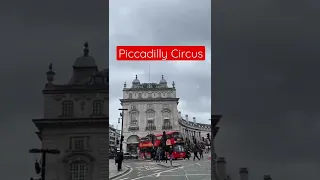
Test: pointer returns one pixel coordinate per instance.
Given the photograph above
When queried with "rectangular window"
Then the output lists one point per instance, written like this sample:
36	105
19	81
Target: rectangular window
79	143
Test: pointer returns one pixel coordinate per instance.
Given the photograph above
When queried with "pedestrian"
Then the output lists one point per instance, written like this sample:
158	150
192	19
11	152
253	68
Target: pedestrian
201	153
120	160
164	155
158	154
195	153
171	155
188	154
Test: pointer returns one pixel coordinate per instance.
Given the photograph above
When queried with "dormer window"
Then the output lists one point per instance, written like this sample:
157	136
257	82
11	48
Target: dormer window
67	108
97	107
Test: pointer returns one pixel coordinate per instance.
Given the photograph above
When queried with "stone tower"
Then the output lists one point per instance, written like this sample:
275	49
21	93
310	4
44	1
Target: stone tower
75	121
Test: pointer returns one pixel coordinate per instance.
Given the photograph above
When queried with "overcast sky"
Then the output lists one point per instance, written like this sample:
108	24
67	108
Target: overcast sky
265	72
146	22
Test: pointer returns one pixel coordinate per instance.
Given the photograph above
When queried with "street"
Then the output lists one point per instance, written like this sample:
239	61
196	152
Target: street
189	170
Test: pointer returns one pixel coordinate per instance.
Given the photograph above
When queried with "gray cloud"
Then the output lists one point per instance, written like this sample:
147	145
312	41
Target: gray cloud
264	74
162	23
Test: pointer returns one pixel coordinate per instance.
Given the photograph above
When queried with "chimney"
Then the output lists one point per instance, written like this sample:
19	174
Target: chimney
186	117
194	120
267	177
244	174
221	167
179	114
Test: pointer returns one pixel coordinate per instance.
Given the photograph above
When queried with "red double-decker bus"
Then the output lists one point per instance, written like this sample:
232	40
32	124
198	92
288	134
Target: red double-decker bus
174	141
145	148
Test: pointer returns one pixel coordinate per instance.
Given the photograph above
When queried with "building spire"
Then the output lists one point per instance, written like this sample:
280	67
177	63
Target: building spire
86	49
50	74
149	73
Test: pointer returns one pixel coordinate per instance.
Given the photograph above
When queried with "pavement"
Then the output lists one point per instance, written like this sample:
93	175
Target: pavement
180	170
113	171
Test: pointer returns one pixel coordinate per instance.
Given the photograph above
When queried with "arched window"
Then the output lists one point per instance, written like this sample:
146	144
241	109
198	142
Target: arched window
97	107
78	171
150	120
67	108
140	95
134	118
166	120
130	95
150	115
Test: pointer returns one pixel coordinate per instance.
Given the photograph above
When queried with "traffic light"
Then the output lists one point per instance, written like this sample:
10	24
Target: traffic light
208	136
118	141
122	138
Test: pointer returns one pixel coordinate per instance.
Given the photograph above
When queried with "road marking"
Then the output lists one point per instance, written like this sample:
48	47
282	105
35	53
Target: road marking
199	174
124	179
124	173
156	174
185	174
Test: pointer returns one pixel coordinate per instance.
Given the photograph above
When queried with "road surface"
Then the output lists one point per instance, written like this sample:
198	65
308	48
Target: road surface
189	170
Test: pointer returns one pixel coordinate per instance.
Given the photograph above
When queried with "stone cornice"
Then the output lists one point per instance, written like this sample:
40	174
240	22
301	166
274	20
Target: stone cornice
149	89
63	89
58	122
149	100
198	127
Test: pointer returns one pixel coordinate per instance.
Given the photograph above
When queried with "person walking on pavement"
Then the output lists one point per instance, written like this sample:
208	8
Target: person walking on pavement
201	153
171	155
188	154
119	160
195	153
158	154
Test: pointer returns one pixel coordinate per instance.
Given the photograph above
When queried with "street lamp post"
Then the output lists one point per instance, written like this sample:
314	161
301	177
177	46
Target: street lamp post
120	154
44	152
122	137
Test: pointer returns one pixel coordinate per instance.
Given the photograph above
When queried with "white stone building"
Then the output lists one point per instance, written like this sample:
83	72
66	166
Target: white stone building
114	137
152	109
191	129
75	121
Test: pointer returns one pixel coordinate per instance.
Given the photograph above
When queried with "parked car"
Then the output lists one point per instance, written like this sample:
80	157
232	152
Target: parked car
130	156
135	156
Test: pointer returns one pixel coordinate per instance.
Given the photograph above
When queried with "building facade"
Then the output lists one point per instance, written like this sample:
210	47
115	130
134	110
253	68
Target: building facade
75	121
114	137
192	129
152	109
